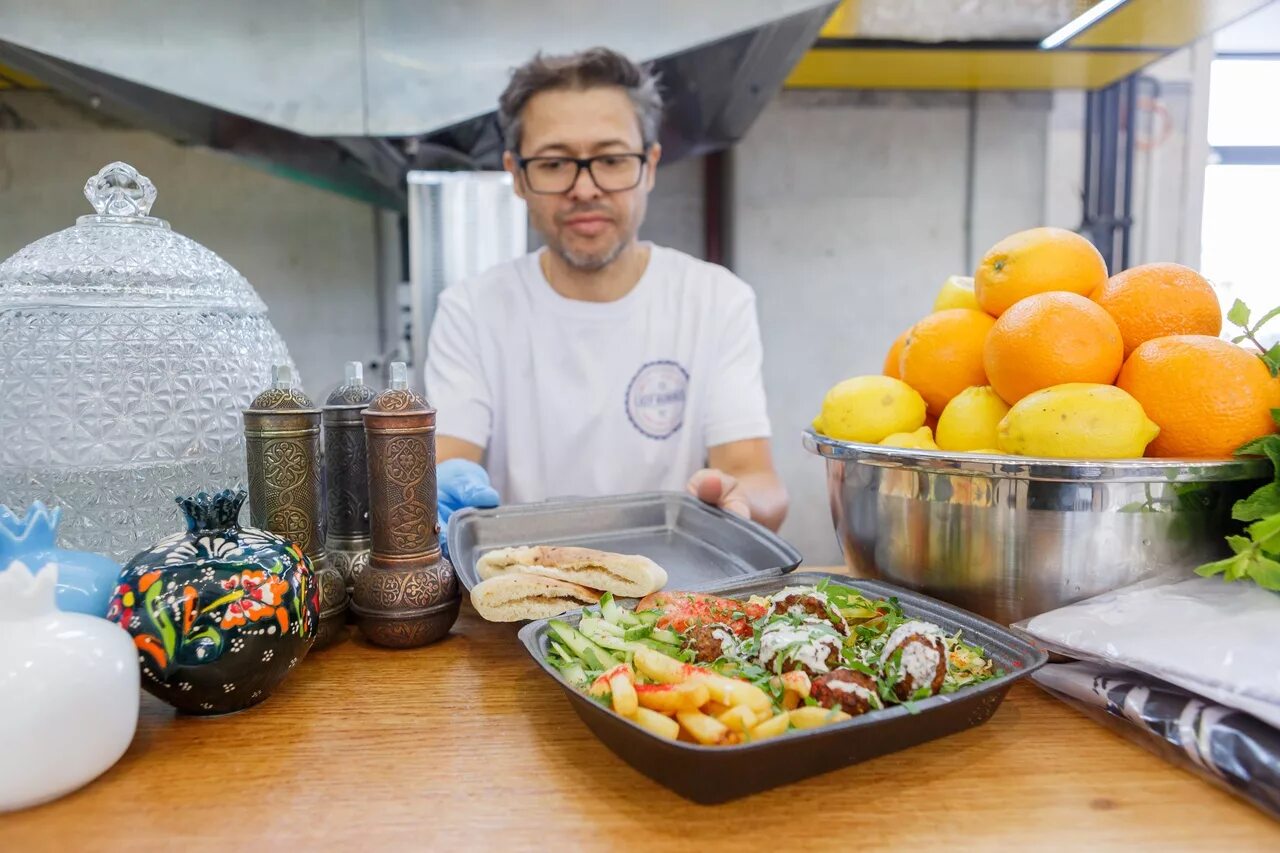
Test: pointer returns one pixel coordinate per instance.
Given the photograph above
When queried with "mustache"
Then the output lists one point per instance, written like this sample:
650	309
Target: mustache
581	209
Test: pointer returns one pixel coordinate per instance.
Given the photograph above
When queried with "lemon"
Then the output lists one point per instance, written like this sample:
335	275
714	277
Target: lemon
869	408
921	439
970	420
956	292
1077	421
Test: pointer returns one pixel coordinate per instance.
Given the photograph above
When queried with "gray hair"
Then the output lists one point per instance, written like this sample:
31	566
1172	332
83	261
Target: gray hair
598	66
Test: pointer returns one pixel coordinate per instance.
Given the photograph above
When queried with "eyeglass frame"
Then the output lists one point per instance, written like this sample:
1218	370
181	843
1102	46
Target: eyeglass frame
581	163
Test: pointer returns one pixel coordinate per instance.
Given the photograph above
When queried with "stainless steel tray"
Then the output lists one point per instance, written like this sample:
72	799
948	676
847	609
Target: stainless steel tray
715	774
699	546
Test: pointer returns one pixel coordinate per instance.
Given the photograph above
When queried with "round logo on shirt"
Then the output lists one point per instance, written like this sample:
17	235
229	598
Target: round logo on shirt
655	398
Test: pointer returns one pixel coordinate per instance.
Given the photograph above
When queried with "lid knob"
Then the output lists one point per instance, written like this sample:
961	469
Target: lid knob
118	190
354	373
281	377
399	376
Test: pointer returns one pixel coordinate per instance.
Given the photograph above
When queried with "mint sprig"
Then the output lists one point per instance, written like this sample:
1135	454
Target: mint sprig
1255	555
1239	316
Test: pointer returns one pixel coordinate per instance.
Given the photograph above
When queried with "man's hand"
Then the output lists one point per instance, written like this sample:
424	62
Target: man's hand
717	488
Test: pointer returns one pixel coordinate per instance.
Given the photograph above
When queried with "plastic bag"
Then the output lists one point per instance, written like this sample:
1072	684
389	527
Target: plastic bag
1217	640
1233	750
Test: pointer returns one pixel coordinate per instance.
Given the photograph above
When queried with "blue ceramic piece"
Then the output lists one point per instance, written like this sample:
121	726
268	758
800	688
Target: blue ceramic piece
85	580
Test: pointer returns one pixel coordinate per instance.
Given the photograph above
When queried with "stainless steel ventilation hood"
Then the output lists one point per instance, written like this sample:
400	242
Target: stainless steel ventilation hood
351	94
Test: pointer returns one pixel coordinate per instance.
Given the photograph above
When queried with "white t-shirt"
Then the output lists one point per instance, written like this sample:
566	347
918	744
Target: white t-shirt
575	398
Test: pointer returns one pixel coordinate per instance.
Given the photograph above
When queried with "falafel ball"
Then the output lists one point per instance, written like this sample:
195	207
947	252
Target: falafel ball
810	606
923	664
710	642
851	691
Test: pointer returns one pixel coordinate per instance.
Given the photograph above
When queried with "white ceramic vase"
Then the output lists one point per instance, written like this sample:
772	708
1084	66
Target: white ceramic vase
68	691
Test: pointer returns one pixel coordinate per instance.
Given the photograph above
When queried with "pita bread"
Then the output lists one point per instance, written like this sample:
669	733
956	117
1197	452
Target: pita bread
629	575
515	597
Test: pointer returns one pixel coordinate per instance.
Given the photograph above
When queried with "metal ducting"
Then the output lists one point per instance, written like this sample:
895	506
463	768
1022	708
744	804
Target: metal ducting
352	94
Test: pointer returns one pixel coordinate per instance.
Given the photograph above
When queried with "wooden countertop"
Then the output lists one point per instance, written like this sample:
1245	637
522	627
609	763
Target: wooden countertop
466	744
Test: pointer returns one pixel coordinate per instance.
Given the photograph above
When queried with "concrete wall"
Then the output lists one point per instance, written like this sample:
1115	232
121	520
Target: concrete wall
850	210
309	253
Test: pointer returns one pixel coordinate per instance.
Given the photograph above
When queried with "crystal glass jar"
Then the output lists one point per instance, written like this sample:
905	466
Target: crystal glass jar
127	352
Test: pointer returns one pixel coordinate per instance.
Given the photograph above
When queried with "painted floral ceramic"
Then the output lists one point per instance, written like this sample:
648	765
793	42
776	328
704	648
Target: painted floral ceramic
220	614
68	692
85	580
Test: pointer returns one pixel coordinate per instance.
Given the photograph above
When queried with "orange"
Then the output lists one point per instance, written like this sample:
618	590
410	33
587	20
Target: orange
943	355
1051	339
1207	395
895	355
1155	300
1037	261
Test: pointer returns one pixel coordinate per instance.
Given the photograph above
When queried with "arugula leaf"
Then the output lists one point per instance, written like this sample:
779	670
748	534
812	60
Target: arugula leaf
1239	314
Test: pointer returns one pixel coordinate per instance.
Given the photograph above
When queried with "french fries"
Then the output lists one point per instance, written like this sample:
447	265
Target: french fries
672	698
707	707
739	718
771	727
814	716
705	730
655	723
624	693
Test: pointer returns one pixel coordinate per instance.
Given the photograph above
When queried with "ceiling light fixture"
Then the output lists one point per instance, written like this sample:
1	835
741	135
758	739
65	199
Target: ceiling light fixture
1080	23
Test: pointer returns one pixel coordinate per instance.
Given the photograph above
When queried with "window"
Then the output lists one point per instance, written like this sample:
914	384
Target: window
1240	231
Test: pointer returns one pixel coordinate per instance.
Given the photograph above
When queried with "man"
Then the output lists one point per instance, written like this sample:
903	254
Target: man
601	364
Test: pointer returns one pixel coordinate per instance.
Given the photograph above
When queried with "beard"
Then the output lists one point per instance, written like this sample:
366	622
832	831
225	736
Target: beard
588	261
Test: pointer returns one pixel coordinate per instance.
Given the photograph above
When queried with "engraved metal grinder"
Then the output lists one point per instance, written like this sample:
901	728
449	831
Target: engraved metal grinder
282	434
408	596
346	470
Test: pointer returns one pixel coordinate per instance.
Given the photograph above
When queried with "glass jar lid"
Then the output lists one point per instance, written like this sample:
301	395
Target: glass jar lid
121	255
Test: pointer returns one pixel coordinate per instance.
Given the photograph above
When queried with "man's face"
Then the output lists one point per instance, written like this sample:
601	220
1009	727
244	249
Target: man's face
585	225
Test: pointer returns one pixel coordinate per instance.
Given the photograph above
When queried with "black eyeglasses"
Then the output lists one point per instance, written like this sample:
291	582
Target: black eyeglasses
555	175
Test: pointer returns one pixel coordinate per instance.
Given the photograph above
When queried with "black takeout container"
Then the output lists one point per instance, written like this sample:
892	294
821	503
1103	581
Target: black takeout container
717	774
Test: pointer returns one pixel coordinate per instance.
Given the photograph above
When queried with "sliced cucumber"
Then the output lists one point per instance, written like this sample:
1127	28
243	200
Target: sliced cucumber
647	617
662	635
639	632
665	648
592	626
614	613
591	654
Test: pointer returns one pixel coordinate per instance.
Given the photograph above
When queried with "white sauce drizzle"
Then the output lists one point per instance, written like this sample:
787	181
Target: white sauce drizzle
906	629
809	644
849	687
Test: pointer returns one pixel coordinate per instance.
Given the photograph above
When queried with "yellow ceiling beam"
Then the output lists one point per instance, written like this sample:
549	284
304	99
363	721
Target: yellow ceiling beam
939	68
11	79
843	22
1163	24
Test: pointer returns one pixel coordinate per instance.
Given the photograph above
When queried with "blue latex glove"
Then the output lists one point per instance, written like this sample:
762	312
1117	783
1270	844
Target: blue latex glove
459	484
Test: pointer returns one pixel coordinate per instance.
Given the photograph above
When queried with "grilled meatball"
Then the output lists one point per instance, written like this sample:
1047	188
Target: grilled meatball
710	642
850	691
812	647
810	606
924	658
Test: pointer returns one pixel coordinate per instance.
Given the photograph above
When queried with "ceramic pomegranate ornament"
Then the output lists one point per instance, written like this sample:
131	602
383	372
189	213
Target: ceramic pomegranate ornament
85	580
68	691
220	614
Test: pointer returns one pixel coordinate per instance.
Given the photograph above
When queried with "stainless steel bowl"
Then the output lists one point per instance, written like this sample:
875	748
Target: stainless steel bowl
1012	537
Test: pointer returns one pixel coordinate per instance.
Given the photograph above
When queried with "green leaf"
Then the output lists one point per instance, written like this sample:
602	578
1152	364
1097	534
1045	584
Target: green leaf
1238	569
1239	544
1258	446
1239	314
1239	339
1262	503
159	611
1271	358
1217	567
1265	572
1266	318
1266	533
